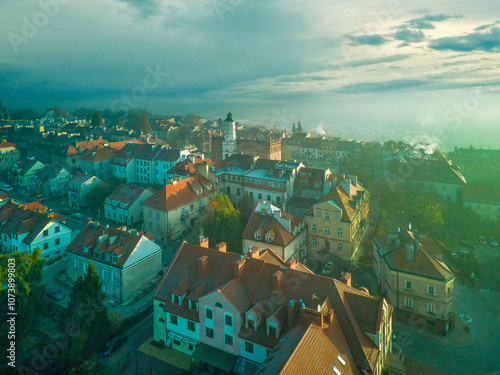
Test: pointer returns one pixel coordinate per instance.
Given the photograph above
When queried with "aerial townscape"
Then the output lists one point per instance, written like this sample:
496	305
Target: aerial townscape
231	187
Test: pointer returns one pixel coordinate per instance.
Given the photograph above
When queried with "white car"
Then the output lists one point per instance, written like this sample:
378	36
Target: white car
466	318
327	269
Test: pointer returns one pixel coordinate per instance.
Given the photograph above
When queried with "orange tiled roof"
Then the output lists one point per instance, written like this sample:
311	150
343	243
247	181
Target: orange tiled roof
179	193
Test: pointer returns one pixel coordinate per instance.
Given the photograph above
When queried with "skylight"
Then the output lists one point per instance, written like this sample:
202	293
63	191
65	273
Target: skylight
336	370
341	360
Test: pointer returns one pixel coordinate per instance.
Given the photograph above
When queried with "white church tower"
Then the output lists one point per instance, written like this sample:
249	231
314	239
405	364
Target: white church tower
229	146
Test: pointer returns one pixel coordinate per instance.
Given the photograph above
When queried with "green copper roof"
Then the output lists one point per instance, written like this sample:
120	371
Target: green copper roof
229	117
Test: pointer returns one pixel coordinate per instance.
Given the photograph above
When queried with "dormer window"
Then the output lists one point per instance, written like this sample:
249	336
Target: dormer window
258	236
176	299
316	184
108	257
269	238
272	331
251	324
96	253
115	259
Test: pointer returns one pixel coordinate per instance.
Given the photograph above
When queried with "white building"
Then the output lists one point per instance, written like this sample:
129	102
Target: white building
124	205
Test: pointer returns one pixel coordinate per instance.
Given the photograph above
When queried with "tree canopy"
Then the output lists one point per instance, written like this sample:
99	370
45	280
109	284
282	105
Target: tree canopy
140	123
98	194
299	128
96	120
221	223
56	112
3	112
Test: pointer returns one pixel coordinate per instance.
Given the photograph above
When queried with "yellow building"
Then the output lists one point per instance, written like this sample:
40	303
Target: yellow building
483	199
411	273
175	207
338	221
9	155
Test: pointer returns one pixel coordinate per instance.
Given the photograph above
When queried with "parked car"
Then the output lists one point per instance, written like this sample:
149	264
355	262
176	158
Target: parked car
482	240
77	216
55	294
466	244
327	269
112	345
87	220
66	211
466	318
493	242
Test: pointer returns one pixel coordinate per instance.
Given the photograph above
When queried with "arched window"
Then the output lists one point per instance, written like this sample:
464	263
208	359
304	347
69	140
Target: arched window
161	305
219	305
161	320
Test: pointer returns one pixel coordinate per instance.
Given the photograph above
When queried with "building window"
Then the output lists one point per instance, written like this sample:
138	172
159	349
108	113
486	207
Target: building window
57	241
104	274
190	326
114	278
269	239
448	291
176	299
318	213
248	347
173	319
157	216
272	331
77	264
209	313
268	197
251	324
219	305
161	320
430	308
158	228
228	339
313	228
409	285
314	243
258	236
339	247
45	233
339	232
229	320
45	245
259	196
327	217
115	259
408	302
431	290
448	309
327	230
335	216
57	229
150	213
85	267
209	332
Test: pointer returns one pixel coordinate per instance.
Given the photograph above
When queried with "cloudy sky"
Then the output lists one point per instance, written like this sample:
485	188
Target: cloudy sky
421	69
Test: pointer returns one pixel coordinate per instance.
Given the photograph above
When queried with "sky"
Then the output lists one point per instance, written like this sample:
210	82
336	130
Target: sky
379	69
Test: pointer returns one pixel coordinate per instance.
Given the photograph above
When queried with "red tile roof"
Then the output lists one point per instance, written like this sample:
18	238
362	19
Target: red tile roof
179	193
352	315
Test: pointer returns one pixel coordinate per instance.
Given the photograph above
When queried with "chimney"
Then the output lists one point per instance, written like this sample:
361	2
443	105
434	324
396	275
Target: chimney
302	307
202	265
203	242
292	263
277	280
346	278
254	252
238	268
221	247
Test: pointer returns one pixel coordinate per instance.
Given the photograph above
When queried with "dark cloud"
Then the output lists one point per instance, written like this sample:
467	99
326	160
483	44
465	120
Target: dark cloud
425	23
488	41
367	40
409	36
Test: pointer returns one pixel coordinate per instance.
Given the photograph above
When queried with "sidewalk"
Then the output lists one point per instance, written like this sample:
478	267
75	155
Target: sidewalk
456	338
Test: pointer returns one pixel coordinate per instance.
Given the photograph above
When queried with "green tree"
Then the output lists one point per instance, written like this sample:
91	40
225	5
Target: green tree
427	214
221	223
294	129
245	205
140	124
96	120
98	194
24	114
299	128
191	120
85	320
24	284
3	112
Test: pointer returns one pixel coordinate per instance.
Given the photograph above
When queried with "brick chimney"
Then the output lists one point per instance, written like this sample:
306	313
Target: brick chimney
202	265
221	247
346	278
290	308
238	268
203	242
254	253
277	280
292	263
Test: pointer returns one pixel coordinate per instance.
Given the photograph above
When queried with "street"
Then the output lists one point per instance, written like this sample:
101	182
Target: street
481	357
